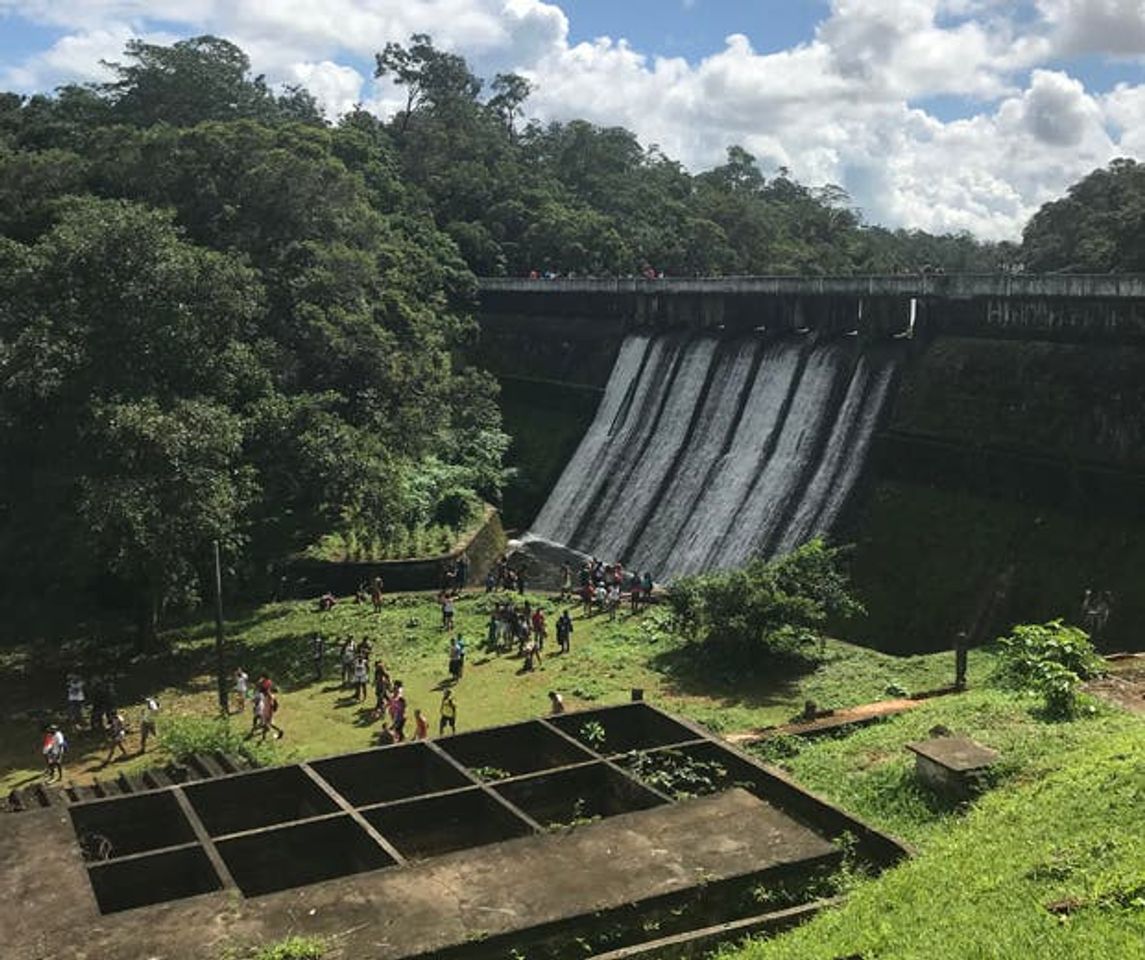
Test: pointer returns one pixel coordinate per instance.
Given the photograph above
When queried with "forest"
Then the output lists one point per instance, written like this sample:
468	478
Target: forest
225	317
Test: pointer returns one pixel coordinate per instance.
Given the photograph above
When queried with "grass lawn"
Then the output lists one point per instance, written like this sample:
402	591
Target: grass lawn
1064	826
607	660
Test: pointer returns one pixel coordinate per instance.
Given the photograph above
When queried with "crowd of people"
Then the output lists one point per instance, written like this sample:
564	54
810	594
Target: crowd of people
600	587
517	626
93	711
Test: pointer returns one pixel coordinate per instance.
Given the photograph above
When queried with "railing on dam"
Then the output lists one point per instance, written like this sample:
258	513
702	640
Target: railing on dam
1068	307
955	286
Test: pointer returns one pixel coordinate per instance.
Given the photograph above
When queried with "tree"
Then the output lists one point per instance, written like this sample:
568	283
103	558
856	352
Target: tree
1098	227
431	77
510	91
119	376
203	78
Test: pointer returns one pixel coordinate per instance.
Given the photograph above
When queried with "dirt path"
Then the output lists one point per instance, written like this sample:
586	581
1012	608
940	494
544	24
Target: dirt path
1124	685
837	718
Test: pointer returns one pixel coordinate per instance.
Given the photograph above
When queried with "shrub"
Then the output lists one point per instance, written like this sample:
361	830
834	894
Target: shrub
184	736
1049	660
778	607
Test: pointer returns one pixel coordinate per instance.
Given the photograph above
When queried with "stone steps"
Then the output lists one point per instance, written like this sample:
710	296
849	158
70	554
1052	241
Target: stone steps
202	766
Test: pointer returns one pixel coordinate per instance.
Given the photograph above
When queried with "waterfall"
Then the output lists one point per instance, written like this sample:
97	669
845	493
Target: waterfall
704	452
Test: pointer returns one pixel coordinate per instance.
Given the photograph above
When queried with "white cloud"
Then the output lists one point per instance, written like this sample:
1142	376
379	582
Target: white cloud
1112	27
847	105
337	88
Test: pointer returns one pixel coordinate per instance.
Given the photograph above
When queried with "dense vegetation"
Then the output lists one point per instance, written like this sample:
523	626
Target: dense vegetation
767	609
1098	227
1046	864
224	318
236	324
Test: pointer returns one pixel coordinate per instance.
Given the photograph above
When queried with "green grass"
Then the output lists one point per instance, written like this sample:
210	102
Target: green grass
1065	822
608	659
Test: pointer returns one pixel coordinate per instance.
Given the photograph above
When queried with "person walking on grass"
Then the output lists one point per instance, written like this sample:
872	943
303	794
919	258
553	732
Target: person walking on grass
564	632
53	746
241	681
118	736
361	678
147	724
420	725
265	707
318	654
347	658
75	700
556	703
454	660
448	714
398	713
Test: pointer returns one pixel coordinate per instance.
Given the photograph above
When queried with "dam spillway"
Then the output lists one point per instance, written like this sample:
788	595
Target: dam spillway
706	451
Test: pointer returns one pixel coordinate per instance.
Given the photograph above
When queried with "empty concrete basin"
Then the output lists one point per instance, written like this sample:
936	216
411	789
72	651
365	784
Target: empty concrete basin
390	773
613	730
249	801
157	878
293	856
120	827
512	751
453	821
581	793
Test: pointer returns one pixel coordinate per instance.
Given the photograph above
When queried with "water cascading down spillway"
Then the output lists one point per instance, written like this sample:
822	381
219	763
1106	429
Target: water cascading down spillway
707	452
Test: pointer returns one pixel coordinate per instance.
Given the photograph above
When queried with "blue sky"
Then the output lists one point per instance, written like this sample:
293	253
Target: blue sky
694	30
941	114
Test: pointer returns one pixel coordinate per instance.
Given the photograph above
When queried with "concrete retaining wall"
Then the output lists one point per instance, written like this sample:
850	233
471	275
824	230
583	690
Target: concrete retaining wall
312	578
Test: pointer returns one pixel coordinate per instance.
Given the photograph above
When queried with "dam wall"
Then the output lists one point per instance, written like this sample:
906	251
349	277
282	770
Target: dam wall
1001	476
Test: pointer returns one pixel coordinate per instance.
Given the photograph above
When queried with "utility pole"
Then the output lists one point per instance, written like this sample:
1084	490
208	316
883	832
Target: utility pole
220	660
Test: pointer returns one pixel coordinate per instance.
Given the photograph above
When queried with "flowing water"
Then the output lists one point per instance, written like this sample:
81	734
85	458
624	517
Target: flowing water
707	452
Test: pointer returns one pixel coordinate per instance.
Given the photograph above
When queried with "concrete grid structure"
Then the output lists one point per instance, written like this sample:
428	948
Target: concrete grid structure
535	836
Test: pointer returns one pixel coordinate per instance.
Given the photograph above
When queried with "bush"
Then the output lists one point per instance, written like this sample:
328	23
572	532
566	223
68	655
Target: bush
1049	660
183	737
777	607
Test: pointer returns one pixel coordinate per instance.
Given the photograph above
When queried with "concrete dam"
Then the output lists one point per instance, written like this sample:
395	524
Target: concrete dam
705	453
980	440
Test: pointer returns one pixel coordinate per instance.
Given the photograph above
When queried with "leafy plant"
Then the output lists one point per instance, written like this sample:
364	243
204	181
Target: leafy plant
592	734
1050	660
291	948
183	737
677	774
491	773
782	746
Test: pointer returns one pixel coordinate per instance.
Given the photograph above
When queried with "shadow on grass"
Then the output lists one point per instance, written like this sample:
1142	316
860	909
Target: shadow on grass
694	670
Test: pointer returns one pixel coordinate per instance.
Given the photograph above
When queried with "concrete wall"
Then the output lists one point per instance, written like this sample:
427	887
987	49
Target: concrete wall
1014	449
1071	308
312	578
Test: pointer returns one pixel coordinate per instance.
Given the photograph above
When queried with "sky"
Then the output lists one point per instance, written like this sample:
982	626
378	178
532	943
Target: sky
941	115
